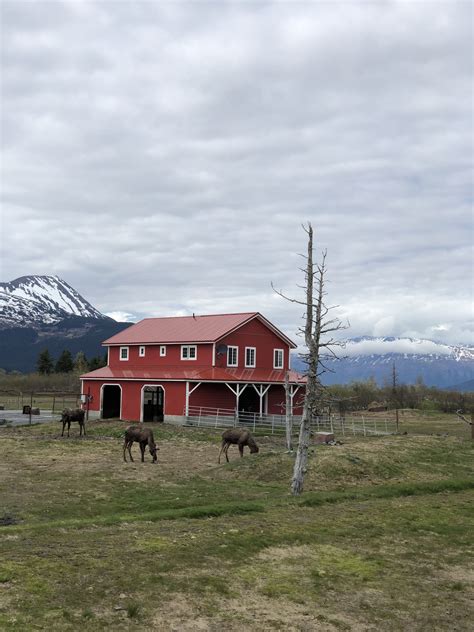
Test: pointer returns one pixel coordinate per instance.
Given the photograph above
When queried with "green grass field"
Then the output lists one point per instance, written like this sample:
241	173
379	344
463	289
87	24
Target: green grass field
382	538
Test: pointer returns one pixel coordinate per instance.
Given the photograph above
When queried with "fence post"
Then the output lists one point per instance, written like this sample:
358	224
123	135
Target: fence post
331	424
386	427
375	425
363	426
353	427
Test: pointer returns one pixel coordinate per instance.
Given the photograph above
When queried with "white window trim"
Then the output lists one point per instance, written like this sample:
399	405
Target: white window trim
188	347
120	354
251	366
141	351
282	351
236	355
162	351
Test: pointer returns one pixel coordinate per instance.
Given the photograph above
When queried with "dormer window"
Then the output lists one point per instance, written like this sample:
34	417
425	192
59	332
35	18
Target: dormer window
124	353
141	352
232	356
188	352
277	358
250	357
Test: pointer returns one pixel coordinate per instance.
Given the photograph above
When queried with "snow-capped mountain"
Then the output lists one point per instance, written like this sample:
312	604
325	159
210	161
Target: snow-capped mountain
33	301
438	364
45	312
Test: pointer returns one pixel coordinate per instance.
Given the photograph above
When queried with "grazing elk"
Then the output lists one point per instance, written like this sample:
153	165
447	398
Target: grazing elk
73	414
144	437
240	437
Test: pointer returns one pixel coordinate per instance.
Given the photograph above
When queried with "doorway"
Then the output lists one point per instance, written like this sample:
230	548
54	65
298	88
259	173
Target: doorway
111	401
153	398
249	401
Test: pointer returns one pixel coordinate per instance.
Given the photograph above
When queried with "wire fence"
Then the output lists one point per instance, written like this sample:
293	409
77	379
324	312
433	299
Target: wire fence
19	408
204	417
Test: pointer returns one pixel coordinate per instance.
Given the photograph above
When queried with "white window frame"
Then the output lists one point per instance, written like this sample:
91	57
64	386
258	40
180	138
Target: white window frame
188	349
120	354
236	349
251	366
141	351
282	355
162	351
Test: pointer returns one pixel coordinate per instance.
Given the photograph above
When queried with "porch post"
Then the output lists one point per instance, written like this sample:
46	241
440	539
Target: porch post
186	406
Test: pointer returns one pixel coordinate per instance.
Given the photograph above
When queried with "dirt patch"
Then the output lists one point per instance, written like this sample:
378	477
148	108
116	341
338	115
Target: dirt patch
249	612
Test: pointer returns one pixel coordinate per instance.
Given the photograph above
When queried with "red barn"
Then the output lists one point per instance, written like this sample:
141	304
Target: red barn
161	368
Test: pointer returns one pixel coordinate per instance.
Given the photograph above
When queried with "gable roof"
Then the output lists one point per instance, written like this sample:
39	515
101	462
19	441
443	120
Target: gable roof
188	329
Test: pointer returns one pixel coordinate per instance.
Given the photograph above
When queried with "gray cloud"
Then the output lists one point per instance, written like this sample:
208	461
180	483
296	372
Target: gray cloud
161	157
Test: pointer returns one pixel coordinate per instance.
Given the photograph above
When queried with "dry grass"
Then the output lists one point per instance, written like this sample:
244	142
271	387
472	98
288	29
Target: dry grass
190	545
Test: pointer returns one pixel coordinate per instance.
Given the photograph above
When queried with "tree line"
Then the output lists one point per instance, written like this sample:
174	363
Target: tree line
359	395
65	363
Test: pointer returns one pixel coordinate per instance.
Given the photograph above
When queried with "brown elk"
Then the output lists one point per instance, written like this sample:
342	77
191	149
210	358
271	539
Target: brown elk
144	437
73	414
240	437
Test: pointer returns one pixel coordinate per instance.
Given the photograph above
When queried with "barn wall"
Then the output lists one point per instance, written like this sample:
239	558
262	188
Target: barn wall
131	397
212	396
153	359
255	334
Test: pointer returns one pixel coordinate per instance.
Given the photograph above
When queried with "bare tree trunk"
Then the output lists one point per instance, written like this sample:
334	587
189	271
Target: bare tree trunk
312	343
317	336
288	414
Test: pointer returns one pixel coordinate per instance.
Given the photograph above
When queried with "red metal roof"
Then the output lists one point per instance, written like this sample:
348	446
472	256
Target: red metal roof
187	329
198	374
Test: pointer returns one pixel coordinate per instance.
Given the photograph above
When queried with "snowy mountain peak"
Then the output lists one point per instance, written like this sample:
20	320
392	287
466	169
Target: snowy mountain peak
31	301
370	346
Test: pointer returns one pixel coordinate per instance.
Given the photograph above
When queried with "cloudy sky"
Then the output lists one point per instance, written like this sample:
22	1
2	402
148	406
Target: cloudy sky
162	156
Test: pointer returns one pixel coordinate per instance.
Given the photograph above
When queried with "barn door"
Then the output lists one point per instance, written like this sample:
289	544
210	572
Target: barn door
111	401
153	400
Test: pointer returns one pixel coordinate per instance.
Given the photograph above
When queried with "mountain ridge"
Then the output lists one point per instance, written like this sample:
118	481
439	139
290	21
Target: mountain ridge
34	300
364	357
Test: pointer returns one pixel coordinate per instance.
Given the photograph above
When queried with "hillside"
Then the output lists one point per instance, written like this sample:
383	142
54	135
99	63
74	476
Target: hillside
437	364
45	312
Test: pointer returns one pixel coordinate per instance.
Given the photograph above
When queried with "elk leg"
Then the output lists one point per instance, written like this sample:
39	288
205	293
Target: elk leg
125	450
222	449
227	450
64	425
241	450
130	450
68	427
142	450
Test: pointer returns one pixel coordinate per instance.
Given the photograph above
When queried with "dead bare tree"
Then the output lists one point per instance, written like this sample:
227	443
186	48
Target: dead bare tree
318	336
288	413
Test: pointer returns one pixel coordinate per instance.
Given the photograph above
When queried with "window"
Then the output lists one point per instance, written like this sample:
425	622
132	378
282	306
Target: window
277	358
188	352
124	353
162	351
141	352
232	356
250	357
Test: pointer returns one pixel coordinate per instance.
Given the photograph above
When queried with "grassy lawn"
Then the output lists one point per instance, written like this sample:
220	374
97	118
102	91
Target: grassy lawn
380	540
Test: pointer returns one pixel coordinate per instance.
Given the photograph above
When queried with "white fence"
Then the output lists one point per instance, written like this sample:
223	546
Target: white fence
203	417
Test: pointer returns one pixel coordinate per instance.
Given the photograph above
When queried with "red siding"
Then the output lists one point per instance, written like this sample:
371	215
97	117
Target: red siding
131	397
255	334
212	396
153	359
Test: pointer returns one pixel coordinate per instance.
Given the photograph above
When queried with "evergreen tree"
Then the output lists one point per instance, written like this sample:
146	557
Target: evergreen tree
80	363
44	363
64	363
97	362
